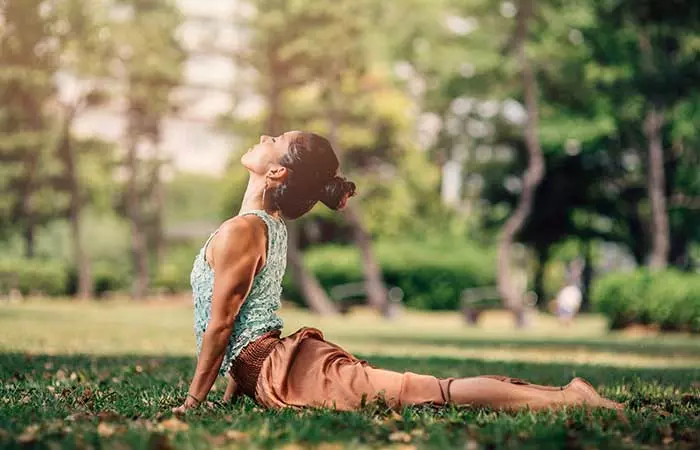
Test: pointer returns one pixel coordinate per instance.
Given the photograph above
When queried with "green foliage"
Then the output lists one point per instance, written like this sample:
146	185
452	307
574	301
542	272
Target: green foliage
174	272
27	64
107	278
431	275
347	93
599	65
33	276
194	197
669	299
234	186
106	238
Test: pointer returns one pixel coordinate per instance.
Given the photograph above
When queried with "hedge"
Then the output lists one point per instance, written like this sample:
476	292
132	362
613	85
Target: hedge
669	299
174	272
31	276
431	275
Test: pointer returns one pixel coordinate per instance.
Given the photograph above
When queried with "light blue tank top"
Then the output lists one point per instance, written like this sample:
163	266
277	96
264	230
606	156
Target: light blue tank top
258	314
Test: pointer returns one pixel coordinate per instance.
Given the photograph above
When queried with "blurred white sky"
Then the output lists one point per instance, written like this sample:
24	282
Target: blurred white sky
191	139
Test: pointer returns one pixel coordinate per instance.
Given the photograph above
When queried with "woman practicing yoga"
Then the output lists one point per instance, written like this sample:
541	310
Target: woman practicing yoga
236	281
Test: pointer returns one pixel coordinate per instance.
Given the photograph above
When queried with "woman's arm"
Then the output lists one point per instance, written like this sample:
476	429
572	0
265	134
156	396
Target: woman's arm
238	254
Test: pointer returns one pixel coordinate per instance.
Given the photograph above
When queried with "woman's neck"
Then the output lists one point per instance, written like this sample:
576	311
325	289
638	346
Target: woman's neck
253	199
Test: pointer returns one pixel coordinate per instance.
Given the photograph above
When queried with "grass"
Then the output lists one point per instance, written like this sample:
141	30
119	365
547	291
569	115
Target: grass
90	375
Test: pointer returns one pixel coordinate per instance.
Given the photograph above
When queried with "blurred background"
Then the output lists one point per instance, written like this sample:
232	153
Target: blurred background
518	155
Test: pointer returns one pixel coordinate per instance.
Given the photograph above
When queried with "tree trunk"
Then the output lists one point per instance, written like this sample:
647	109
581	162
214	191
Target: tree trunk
542	258
311	290
66	153
82	260
656	186
533	175
29	233
639	246
586	275
159	204
375	288
377	293
26	211
139	245
679	254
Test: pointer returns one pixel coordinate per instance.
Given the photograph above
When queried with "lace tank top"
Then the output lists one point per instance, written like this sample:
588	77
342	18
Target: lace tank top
258	314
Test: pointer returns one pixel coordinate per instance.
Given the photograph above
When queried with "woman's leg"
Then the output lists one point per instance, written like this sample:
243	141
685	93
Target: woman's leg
403	389
522	382
513	394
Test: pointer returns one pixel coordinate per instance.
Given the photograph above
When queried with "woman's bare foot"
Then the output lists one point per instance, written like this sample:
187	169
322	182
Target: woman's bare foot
588	396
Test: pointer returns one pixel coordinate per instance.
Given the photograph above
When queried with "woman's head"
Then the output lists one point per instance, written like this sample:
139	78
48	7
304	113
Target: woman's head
300	169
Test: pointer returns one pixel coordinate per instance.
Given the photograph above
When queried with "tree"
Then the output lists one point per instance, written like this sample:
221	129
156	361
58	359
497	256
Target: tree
595	113
535	171
28	61
645	59
347	24
151	61
496	67
303	86
84	48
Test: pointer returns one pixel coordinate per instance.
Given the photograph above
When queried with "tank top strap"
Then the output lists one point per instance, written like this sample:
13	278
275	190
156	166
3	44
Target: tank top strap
271	223
206	244
211	236
267	218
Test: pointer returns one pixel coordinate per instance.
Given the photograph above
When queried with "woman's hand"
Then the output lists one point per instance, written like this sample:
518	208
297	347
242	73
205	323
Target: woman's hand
232	391
180	410
189	403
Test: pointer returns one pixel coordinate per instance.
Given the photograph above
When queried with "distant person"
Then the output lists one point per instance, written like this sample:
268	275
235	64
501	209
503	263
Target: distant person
568	303
569	298
236	280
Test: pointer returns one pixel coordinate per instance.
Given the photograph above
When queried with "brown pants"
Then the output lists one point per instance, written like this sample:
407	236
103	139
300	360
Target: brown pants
304	370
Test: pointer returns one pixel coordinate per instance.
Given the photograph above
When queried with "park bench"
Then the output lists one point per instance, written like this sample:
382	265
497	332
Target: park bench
477	300
345	296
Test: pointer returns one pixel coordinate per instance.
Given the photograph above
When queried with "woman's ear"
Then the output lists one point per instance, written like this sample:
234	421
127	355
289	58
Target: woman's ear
277	173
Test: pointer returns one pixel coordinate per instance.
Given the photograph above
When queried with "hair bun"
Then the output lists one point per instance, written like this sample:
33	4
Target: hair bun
335	193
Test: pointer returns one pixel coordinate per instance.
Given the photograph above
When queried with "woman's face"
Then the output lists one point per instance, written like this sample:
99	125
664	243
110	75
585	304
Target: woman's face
267	154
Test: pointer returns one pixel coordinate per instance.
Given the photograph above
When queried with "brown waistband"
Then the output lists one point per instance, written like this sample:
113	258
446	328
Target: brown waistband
247	365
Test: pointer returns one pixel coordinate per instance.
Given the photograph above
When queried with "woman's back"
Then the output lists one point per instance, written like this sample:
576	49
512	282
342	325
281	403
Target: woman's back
258	313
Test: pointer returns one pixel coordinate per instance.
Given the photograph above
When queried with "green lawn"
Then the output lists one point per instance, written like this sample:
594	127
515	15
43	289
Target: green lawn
91	375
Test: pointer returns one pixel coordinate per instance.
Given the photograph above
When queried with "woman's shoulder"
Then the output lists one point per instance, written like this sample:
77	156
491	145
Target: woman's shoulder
244	227
239	235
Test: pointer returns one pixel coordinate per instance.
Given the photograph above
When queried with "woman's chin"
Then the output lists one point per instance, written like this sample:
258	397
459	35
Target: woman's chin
245	160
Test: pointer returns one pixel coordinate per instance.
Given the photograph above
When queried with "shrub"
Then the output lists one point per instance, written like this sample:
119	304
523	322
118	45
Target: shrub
110	278
432	275
174	272
33	276
668	299
106	277
173	277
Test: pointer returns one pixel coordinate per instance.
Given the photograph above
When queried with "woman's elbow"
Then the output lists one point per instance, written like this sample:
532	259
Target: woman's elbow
220	327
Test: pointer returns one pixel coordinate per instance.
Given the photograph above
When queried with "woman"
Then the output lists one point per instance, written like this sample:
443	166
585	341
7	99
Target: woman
236	281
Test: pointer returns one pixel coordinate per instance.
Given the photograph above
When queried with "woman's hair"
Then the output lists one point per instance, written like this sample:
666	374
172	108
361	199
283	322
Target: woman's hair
312	166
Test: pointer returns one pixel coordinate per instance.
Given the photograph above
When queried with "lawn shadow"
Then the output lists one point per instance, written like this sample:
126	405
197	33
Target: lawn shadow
645	347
